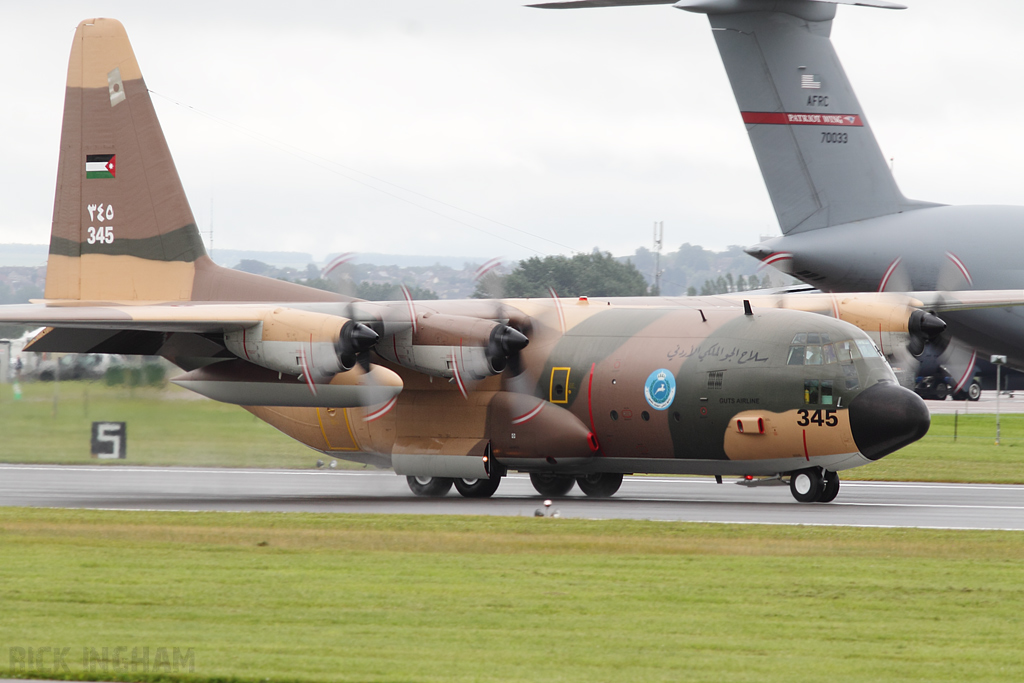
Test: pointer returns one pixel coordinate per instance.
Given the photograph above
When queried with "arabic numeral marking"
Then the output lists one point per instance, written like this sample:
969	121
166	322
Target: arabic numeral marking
840	138
831	420
802	422
108	232
817	419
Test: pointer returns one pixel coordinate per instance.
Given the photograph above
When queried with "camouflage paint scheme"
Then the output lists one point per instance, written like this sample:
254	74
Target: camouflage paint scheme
467	388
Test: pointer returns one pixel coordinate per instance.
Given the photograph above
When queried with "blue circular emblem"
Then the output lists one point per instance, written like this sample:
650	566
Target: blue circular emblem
660	389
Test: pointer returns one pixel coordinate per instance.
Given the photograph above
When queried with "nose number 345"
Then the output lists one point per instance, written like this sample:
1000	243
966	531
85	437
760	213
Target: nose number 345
826	418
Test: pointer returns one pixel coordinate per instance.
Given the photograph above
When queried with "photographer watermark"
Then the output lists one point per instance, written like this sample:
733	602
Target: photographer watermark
117	659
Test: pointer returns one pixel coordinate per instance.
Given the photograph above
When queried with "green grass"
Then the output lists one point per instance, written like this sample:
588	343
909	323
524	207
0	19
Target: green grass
410	598
972	457
175	427
168	426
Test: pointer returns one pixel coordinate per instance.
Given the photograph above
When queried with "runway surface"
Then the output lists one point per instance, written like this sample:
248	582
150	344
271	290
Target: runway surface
986	404
691	499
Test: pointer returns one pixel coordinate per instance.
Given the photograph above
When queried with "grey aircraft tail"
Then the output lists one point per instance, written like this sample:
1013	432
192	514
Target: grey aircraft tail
820	161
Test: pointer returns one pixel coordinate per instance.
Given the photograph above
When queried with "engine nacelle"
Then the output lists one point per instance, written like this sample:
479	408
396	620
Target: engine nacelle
442	345
300	342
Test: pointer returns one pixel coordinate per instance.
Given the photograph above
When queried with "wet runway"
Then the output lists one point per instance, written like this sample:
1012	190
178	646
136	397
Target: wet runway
692	499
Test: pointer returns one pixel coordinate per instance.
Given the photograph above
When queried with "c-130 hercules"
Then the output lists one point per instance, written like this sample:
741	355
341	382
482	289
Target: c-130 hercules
846	227
457	392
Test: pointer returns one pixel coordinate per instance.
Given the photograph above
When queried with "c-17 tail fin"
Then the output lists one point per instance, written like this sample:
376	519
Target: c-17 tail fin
819	159
122	226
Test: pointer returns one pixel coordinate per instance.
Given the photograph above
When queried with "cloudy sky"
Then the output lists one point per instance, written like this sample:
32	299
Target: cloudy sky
483	128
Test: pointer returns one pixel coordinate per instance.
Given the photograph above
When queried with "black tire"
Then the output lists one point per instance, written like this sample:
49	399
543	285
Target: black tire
430	487
973	391
831	488
600	485
552	485
806	485
477	488
941	391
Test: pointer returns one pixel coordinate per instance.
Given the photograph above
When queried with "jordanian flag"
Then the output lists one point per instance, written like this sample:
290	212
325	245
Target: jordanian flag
100	165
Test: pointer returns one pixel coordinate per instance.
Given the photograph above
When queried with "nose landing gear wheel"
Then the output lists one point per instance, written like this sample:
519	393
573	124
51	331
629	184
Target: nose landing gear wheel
552	485
600	485
831	488
477	488
806	485
430	487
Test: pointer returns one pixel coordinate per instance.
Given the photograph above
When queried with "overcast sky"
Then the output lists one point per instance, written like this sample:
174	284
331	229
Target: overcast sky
444	126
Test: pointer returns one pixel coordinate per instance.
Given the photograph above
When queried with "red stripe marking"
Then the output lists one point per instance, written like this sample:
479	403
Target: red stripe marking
381	411
305	372
888	273
590	406
412	308
526	417
558	307
244	350
805	447
799	119
968	373
455	370
960	265
880	339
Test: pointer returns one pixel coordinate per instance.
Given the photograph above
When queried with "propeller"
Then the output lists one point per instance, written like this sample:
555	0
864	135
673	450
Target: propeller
924	328
504	345
354	344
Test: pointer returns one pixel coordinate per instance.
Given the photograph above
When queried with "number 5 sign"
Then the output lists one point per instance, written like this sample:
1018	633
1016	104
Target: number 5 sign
109	440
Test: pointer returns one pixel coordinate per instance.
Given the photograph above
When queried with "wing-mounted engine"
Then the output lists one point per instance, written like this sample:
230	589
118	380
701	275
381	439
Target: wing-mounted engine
455	347
314	345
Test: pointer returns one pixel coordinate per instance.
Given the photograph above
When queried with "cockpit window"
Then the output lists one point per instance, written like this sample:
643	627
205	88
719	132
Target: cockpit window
796	355
800	338
812	356
828	353
867	349
847	351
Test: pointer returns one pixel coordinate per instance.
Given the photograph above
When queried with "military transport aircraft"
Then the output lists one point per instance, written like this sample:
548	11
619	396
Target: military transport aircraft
459	392
845	224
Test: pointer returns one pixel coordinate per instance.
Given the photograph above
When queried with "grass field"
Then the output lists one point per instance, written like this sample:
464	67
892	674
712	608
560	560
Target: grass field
175	427
408	598
169	426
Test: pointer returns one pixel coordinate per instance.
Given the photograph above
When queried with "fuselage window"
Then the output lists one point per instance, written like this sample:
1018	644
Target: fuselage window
812	389
826	392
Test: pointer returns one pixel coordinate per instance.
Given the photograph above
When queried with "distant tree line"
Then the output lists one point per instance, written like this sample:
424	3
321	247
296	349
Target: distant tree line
727	284
595	274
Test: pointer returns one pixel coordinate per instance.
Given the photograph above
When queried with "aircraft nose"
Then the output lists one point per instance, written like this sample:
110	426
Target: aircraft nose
886	417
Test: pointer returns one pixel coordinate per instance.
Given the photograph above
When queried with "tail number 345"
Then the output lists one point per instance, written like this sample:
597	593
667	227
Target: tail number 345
822	418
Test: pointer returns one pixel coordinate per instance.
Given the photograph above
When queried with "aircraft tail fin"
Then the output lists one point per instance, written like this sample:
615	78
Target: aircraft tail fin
122	226
820	161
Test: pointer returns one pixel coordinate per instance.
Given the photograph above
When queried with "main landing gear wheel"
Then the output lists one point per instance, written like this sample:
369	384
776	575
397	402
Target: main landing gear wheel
552	485
477	488
974	391
430	487
602	485
831	488
806	485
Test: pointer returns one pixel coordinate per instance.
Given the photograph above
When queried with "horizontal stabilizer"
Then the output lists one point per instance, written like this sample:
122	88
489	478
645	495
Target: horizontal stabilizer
710	6
580	4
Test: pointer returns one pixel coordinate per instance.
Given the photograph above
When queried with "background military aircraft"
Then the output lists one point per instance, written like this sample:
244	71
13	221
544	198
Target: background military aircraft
450	392
845	224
